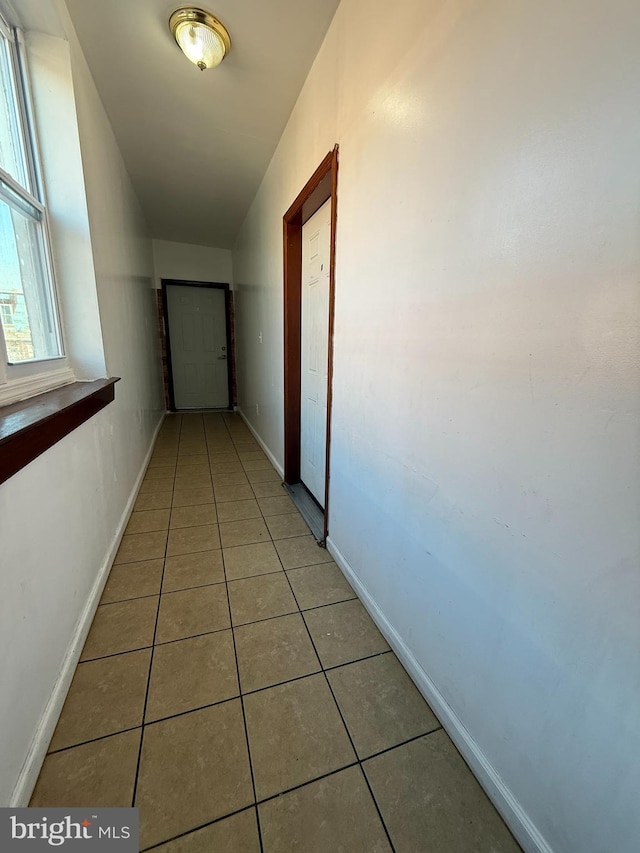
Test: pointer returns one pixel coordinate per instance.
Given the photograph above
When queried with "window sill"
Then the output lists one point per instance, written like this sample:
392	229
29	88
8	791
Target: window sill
32	426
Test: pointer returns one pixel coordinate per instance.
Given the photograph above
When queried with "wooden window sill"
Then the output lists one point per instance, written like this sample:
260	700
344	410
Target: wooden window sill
30	427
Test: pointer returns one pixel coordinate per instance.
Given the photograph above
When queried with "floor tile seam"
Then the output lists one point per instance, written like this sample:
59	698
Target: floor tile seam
151	657
137	597
195	586
191	636
147	723
131	598
188	553
244	713
364	775
198	828
346	728
281	683
252	577
95	739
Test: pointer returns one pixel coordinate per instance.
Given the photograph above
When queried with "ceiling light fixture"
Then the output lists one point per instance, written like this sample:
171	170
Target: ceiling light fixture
200	36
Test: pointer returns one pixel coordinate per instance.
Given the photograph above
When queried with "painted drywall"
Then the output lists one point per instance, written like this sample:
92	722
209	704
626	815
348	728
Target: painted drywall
485	454
187	262
60	517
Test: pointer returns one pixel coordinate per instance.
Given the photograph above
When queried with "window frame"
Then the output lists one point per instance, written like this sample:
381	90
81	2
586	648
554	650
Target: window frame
20	380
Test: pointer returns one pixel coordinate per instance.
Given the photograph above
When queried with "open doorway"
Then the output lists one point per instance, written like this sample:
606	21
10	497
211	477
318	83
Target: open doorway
309	296
198	324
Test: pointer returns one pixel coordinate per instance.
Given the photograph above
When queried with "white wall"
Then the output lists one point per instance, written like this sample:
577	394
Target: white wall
61	516
184	261
484	476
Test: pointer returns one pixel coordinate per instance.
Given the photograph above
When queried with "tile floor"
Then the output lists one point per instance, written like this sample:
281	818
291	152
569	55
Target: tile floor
233	687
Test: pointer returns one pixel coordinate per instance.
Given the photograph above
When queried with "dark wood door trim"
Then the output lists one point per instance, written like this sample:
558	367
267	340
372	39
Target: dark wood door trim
320	187
165	282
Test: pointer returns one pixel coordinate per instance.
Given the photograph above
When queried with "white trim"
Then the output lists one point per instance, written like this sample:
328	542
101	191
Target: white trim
22	389
44	732
272	458
516	818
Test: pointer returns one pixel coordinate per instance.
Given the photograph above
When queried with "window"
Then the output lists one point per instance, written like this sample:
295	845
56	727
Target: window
29	323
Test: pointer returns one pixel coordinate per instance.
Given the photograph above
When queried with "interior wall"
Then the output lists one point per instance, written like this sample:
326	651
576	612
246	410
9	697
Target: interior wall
62	515
184	261
484	470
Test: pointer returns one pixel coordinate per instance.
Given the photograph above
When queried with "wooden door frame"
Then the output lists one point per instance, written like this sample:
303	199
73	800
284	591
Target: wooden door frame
321	186
164	283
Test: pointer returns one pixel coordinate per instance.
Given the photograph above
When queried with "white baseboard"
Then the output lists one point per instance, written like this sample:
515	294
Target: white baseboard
526	833
38	750
272	458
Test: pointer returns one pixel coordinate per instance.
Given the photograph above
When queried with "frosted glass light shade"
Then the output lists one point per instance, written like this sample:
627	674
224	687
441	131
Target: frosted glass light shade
201	37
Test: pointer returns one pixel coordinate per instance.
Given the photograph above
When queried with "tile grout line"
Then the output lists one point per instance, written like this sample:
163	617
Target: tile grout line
244	712
151	656
346	728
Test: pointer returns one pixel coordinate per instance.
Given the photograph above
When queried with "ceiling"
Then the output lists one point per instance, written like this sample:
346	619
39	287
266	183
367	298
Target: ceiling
197	143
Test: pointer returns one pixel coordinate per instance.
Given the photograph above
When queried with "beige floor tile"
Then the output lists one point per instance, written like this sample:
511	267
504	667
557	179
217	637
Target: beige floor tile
245	561
295	734
430	800
273	651
121	627
235	834
193	464
332	814
245	532
159	472
136	547
97	774
191	449
236	478
178	789
191	673
257	464
261	597
163	460
225	467
252	455
277	505
287	526
189	570
148	521
344	632
193	516
264	475
314	586
223	454
133	580
192	611
106	696
238	510
187	540
233	493
152	487
161	500
380	704
272	489
193	481
301	551
191	497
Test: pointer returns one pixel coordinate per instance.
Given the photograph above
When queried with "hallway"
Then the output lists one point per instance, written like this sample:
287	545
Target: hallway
235	690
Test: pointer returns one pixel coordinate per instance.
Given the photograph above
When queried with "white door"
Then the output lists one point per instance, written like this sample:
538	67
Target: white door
198	343
316	247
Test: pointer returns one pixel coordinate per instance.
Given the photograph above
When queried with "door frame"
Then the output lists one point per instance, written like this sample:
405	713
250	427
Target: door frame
164	283
321	186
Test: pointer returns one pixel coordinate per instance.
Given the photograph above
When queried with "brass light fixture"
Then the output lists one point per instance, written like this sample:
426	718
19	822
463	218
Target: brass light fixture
202	38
